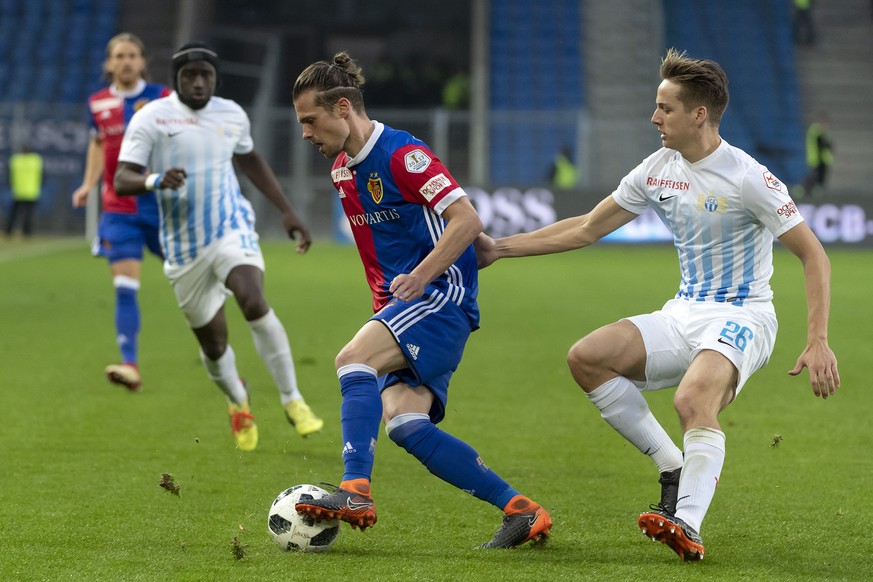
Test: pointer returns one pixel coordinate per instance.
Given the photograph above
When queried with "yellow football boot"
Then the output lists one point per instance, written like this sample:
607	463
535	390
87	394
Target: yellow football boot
242	425
301	417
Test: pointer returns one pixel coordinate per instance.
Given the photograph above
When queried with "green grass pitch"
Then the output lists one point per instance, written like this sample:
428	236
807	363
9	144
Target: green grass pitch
81	459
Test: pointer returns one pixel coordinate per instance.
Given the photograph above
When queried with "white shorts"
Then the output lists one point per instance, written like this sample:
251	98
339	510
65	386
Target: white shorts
675	334
199	285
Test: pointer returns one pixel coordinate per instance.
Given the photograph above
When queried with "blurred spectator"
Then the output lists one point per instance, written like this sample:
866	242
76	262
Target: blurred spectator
819	156
456	91
563	174
25	178
804	28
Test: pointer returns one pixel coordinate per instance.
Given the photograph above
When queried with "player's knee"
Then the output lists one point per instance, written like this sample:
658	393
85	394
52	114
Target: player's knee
693	409
214	348
344	358
253	306
583	365
402	429
682	403
351	354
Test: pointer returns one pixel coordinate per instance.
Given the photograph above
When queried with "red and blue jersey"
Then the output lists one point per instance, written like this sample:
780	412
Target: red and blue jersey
393	194
111	111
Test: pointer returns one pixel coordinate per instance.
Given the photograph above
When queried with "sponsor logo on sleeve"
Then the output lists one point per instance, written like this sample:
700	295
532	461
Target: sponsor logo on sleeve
434	186
341	174
416	161
787	211
772	182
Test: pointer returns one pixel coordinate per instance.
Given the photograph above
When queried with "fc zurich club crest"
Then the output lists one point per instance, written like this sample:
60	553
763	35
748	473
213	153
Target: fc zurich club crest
711	203
374	185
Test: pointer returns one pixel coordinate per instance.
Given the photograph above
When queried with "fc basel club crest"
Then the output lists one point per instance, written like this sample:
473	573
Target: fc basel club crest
374	185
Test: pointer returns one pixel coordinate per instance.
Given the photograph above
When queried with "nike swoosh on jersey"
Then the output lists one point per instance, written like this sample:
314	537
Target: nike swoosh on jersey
663	198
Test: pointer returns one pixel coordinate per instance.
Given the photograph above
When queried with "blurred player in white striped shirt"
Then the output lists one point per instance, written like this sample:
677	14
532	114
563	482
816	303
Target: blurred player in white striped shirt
189	141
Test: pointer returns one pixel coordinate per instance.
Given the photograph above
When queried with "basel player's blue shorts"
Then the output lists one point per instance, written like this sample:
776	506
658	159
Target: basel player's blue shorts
431	332
123	236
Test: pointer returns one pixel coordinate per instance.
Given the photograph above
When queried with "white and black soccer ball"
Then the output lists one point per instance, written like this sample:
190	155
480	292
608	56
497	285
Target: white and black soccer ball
292	531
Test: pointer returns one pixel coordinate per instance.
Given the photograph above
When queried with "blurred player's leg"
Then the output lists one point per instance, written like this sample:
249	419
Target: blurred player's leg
225	375
301	417
272	344
242	425
127	325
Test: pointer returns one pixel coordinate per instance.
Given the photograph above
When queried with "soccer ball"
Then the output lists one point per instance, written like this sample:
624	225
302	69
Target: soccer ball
292	531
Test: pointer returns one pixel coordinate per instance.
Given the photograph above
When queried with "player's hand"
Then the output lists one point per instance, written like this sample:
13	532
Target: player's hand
297	231
822	364
407	287
486	250
173	179
80	196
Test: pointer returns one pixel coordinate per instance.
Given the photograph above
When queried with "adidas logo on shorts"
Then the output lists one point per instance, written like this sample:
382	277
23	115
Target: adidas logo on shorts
413	351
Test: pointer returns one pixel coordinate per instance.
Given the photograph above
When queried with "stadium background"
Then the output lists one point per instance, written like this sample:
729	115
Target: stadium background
575	73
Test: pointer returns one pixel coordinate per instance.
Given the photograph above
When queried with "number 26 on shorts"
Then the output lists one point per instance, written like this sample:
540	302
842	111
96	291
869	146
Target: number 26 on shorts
736	335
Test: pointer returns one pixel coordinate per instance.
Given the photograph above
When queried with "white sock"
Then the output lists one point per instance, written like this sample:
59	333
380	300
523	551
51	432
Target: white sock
123	281
625	409
271	341
223	372
704	458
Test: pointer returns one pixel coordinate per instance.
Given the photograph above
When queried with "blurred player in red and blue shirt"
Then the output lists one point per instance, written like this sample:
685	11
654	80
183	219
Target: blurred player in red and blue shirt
413	226
127	224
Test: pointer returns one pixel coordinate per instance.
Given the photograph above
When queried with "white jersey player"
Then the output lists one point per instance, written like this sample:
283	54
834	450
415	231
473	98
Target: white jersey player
189	141
723	209
208	205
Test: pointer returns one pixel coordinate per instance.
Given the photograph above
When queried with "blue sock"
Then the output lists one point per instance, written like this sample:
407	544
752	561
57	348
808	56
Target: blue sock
126	318
361	413
450	459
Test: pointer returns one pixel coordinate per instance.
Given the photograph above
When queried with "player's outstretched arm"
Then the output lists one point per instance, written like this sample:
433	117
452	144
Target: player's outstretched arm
817	357
565	235
486	250
259	172
130	180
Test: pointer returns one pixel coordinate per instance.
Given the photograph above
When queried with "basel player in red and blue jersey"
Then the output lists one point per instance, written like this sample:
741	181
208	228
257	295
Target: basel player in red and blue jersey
127	224
413	226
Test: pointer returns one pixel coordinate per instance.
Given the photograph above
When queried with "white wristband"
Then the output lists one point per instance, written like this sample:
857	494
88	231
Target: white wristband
153	181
